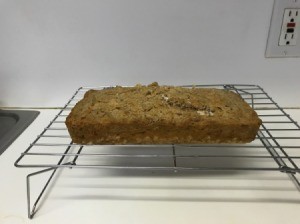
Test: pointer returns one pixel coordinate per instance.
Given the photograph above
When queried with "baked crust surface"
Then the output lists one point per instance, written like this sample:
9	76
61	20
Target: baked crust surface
156	114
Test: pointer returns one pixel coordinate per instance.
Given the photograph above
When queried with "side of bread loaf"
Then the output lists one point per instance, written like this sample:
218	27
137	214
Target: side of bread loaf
162	115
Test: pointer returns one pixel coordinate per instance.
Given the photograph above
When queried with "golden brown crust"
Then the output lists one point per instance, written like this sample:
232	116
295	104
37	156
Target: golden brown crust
162	115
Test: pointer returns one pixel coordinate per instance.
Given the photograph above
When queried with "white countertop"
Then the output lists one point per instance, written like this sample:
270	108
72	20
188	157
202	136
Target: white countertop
99	196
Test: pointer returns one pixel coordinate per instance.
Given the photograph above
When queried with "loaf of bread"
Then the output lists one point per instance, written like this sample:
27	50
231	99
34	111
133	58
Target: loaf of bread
162	115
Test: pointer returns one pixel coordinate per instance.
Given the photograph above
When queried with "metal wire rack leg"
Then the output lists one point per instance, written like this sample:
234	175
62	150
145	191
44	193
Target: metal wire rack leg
285	168
32	211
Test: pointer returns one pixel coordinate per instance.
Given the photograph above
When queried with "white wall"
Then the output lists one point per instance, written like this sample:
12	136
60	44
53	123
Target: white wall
48	48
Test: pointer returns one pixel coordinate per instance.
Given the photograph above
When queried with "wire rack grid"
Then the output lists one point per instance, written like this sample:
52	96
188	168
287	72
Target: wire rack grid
276	147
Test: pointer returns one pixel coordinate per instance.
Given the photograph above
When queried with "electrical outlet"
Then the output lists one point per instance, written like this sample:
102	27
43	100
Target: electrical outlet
289	32
284	32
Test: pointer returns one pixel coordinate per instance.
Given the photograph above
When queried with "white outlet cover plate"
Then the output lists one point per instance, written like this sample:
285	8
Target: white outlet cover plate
273	49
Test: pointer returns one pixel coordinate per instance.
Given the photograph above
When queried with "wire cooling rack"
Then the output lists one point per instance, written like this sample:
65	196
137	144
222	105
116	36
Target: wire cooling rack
276	147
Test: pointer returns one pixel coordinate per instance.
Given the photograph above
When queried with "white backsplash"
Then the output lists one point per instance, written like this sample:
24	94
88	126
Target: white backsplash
50	48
